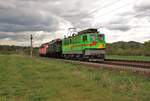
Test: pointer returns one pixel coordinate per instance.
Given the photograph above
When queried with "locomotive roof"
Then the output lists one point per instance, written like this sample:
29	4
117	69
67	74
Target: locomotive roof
88	31
43	45
56	40
53	41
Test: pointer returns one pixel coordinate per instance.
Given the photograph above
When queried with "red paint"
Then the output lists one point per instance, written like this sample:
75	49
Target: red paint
92	44
43	49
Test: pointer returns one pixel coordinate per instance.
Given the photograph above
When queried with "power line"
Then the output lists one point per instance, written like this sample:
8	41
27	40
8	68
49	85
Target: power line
146	26
116	9
127	18
105	6
112	3
136	15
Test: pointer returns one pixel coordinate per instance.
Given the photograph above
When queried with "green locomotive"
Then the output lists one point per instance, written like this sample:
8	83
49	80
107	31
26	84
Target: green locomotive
88	45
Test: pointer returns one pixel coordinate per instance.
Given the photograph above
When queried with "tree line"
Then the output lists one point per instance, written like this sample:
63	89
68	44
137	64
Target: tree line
116	48
128	48
22	50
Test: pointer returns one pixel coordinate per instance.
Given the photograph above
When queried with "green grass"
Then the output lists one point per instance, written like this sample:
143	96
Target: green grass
134	58
26	79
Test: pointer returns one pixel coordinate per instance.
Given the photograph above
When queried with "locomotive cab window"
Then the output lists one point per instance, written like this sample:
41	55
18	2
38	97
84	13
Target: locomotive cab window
101	36
93	37
84	38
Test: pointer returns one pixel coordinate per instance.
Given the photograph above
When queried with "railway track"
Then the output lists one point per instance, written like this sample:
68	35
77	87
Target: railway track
136	64
138	67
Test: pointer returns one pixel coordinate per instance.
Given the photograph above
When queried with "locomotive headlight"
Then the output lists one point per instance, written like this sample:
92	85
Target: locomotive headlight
101	46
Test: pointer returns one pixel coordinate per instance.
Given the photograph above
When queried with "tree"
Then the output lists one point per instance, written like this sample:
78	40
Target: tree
147	48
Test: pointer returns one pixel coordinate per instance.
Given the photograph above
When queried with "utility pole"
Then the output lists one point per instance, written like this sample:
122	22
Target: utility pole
31	48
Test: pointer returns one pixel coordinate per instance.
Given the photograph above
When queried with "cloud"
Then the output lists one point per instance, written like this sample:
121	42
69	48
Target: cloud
119	27
142	9
118	23
41	15
34	16
49	19
23	38
143	5
24	19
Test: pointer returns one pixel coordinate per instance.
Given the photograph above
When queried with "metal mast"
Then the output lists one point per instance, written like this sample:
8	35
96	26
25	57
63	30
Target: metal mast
31	48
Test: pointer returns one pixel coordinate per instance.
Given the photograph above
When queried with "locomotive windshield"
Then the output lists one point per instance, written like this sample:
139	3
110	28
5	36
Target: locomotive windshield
101	36
93	37
97	37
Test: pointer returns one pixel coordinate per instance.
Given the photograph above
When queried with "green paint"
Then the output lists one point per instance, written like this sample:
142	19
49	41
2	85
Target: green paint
82	42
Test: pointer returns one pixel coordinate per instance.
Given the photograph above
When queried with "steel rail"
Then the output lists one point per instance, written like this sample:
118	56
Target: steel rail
121	67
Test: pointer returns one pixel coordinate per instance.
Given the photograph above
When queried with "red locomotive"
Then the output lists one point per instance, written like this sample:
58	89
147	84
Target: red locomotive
43	49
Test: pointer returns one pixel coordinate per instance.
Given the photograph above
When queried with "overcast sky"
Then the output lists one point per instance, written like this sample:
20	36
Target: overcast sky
120	20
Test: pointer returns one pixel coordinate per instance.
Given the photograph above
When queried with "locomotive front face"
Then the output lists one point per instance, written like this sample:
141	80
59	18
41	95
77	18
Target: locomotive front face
94	46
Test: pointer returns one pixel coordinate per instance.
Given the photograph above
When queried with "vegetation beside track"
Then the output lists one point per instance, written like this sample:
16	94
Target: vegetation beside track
39	79
130	48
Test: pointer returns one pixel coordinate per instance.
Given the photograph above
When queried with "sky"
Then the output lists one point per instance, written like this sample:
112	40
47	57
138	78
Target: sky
119	20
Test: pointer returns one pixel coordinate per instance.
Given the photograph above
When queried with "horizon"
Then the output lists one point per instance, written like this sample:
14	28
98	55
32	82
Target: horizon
106	43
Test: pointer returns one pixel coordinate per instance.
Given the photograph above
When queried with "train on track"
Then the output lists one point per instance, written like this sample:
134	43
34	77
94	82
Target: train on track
87	45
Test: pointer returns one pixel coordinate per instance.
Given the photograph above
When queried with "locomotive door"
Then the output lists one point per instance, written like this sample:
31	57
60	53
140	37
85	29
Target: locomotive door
84	43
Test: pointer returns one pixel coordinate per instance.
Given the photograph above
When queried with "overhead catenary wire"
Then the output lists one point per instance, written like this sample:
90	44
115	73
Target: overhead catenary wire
105	6
117	25
142	13
118	8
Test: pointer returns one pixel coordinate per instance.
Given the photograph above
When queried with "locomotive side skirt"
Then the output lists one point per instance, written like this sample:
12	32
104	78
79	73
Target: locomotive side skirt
94	51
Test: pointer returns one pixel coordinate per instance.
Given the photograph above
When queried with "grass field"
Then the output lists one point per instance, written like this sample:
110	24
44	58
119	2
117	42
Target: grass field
26	79
134	58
